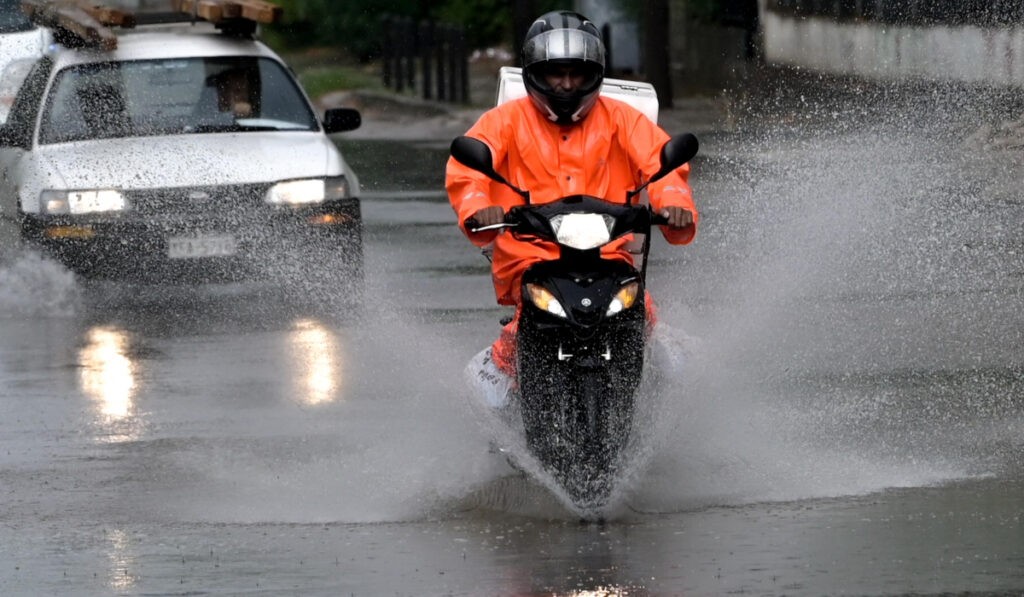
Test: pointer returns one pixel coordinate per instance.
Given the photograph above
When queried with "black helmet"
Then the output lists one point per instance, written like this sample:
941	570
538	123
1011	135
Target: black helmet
559	39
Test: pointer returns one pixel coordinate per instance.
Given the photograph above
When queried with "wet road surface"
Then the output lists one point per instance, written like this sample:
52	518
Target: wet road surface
849	423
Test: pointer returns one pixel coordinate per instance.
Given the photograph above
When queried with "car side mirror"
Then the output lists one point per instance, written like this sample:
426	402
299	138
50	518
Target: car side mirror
339	120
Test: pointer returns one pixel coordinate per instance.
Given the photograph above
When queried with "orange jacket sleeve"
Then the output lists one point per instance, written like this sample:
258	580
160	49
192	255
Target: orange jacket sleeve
644	140
470	191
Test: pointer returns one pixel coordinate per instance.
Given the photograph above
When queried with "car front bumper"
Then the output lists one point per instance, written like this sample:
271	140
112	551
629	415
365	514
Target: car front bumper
256	242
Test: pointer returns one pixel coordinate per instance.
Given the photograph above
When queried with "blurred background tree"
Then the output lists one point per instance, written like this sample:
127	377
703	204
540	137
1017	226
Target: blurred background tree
355	25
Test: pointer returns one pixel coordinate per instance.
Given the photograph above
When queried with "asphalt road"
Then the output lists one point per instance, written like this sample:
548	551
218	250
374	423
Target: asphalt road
850	420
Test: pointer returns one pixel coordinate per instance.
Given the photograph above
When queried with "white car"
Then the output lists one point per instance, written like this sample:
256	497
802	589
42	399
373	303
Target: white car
184	154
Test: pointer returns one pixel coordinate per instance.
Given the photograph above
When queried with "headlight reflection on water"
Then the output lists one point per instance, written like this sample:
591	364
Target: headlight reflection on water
318	362
600	592
122	560
107	375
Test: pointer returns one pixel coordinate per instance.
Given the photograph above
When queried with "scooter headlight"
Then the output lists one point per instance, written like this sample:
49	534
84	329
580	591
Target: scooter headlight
624	298
582	230
544	300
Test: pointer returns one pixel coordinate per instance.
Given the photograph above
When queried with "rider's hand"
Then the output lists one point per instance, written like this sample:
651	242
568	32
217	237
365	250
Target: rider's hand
489	216
678	217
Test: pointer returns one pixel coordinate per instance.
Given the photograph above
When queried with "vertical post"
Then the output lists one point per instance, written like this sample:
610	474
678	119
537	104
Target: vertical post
463	60
400	43
523	15
386	50
409	32
453	63
441	43
426	52
751	20
656	64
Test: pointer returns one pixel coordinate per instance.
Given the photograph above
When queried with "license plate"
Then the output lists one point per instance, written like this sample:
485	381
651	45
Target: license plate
207	245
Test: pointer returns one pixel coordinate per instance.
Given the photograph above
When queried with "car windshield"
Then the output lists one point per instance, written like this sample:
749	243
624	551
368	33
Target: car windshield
173	96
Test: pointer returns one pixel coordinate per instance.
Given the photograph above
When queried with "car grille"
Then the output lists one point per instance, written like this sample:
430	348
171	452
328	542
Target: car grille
185	203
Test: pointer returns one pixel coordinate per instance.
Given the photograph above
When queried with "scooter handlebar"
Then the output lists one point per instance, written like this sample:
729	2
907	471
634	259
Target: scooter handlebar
512	219
657	219
472	225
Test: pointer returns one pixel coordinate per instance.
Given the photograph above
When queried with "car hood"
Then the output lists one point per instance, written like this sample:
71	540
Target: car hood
191	160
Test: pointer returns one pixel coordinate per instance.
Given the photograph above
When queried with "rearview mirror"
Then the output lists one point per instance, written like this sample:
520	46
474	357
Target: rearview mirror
475	154
339	120
676	152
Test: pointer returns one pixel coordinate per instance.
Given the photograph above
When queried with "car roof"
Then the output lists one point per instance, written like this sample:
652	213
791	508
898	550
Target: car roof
163	42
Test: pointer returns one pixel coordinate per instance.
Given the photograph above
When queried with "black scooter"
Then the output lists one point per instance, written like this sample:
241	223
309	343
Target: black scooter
582	330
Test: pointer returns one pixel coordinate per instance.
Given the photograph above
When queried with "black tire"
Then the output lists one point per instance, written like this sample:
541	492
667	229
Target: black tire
577	423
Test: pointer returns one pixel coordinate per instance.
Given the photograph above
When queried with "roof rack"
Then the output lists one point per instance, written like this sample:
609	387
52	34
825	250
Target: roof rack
218	11
84	23
78	21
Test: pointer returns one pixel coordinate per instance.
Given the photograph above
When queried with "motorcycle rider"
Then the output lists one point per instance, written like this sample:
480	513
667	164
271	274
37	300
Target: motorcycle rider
563	139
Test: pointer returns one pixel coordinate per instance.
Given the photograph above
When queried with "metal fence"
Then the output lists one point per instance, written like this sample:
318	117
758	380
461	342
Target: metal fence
428	56
909	12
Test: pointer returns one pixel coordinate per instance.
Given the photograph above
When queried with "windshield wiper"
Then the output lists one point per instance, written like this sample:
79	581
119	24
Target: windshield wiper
228	128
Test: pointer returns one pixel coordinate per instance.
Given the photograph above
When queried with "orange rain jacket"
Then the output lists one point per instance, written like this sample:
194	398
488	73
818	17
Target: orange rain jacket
613	150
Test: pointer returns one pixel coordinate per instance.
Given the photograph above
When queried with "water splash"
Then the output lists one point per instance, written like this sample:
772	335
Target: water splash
853	263
34	286
653	424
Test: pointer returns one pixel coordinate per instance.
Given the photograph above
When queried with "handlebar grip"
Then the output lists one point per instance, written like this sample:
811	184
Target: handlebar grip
470	223
657	219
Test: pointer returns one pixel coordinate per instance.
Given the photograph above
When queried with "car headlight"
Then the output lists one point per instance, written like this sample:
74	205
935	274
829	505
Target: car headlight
82	202
544	300
307	191
624	299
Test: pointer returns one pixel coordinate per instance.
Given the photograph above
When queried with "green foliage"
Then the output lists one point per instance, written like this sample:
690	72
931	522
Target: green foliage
321	79
351	24
486	22
355	25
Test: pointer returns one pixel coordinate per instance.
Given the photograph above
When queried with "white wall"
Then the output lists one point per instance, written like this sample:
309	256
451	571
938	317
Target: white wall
875	50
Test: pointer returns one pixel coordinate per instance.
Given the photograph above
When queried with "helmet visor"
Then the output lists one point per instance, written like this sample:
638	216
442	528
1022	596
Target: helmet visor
563	44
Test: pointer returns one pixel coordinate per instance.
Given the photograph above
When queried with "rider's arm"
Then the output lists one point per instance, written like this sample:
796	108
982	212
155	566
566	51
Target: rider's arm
470	191
646	140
